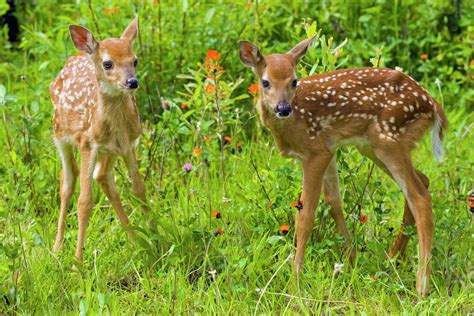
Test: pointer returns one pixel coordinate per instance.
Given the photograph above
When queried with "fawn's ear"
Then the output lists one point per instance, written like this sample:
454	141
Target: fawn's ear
249	54
83	39
131	31
300	49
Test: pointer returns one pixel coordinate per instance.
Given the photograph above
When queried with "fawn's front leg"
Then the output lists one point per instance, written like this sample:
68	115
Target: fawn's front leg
138	187
314	169
332	196
85	198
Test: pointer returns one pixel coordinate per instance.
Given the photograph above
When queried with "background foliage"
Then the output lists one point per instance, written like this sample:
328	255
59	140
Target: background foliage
195	262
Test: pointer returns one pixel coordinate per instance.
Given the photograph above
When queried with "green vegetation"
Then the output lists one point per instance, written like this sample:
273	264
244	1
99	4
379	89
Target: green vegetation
238	263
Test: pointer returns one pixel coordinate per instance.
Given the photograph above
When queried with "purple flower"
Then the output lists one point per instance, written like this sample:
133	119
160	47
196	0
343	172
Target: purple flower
188	167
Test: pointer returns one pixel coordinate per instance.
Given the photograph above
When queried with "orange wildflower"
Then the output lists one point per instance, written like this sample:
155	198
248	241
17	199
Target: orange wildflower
284	229
184	106
249	4
216	214
363	218
297	204
210	89
213	55
238	146
197	151
253	89
227	140
264	7
207	138
424	56
111	11
219	231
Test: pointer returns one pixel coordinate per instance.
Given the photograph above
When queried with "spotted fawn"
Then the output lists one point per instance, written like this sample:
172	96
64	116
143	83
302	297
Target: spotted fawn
380	111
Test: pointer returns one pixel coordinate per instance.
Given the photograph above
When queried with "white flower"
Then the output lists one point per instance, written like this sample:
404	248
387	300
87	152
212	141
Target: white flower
399	69
438	83
338	267
213	274
225	200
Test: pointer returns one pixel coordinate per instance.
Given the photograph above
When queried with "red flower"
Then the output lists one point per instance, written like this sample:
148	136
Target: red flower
197	151
216	214
424	56
297	204
213	55
184	107
219	231
363	218
284	229
253	89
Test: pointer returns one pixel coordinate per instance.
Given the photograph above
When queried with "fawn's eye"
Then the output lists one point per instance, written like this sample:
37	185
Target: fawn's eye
294	83
107	65
135	62
265	83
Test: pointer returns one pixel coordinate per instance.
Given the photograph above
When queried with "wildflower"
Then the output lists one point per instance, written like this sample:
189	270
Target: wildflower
264	8
253	89
337	53
338	267
239	147
218	231
184	107
399	69
363	218
424	56
216	214
111	11
210	89
225	200
297	204
213	274
438	83
213	55
354	216
156	2
249	4
197	151
207	138
188	167
284	229
227	140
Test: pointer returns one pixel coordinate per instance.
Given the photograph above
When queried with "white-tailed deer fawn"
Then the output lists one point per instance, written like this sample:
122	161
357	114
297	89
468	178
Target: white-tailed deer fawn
382	112
95	111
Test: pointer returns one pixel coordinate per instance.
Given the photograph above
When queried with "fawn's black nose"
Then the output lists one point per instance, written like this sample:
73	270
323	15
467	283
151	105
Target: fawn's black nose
132	83
283	109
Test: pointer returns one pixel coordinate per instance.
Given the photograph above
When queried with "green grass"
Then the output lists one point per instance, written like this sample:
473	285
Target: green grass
168	271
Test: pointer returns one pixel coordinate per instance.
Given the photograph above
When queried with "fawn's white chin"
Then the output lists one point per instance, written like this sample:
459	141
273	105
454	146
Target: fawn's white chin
283	117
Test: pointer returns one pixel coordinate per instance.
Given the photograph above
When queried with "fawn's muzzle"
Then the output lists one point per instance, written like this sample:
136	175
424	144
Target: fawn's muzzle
132	83
283	109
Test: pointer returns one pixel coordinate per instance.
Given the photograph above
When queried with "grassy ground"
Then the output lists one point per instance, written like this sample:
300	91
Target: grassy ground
185	266
239	263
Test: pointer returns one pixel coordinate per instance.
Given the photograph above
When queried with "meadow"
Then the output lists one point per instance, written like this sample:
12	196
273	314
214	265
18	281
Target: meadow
222	198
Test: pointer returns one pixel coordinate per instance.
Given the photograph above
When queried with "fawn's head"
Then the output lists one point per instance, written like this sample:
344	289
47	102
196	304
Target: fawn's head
113	58
277	74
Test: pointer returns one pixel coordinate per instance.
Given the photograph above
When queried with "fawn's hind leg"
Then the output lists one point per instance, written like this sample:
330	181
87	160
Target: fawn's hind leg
401	241
419	201
69	175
